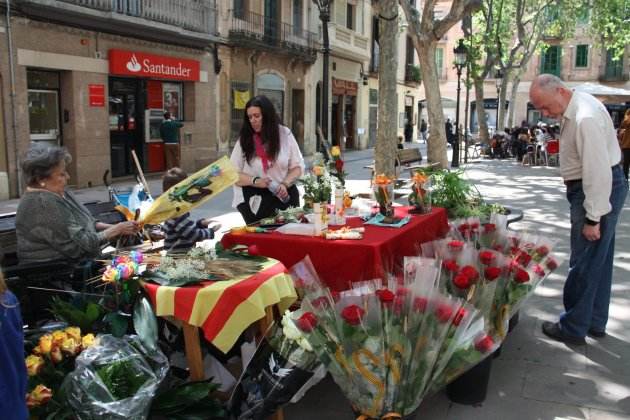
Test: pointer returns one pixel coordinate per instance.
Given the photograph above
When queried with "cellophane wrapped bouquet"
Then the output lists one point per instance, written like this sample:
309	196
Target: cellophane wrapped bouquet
383	341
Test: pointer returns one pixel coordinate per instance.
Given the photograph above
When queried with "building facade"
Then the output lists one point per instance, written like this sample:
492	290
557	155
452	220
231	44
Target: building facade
97	78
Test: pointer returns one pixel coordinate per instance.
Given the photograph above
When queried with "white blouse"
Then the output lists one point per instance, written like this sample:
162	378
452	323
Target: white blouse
289	157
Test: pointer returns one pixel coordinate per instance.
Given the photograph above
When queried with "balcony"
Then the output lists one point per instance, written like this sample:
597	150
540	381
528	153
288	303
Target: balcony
349	44
184	22
256	31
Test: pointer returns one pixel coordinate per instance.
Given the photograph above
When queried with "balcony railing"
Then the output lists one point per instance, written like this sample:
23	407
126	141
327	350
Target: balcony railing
412	73
352	42
192	15
268	33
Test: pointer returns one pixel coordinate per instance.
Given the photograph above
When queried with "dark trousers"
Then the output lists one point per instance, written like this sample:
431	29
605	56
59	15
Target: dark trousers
626	162
269	204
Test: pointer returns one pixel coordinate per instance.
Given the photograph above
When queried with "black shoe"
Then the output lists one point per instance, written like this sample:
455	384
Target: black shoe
596	333
553	330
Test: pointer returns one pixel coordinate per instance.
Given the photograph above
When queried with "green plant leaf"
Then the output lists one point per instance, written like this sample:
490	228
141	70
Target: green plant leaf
118	323
145	323
93	312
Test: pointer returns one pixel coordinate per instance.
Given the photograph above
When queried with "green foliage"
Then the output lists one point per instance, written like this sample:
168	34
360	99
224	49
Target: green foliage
79	312
610	24
458	196
188	401
122	379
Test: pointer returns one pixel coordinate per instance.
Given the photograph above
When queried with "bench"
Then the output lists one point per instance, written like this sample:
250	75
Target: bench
405	159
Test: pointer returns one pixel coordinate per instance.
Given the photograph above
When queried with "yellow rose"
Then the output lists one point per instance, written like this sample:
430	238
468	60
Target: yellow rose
318	170
34	365
335	151
87	341
45	343
38	396
74	332
71	346
37	350
58	337
55	354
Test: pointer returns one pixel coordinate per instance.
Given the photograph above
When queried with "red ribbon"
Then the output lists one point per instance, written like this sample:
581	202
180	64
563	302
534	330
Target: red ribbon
261	152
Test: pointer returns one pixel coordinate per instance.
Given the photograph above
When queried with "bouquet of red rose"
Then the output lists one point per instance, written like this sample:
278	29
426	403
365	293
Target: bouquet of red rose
381	342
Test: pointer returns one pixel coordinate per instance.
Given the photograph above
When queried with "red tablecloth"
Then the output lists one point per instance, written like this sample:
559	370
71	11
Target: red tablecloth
340	262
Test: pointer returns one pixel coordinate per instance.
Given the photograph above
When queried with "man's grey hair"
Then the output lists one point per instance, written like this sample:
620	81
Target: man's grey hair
548	82
39	162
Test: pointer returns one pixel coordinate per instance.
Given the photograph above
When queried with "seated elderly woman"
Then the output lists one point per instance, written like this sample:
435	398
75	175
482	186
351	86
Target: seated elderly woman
51	225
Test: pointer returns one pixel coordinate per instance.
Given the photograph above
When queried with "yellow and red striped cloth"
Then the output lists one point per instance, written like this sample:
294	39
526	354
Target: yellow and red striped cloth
224	309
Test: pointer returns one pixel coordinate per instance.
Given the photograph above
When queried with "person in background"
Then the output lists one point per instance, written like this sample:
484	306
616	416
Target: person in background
13	378
423	130
181	233
401	144
624	141
269	162
50	224
169	133
596	191
448	126
408	131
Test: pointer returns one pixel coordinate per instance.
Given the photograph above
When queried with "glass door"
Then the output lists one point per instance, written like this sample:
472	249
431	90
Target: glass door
43	116
125	133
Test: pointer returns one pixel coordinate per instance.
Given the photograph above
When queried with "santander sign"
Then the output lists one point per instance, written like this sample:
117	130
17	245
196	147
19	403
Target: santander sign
134	63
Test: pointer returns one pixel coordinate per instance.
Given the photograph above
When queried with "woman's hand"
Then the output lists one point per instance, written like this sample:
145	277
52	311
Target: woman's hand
282	192
262	182
122	228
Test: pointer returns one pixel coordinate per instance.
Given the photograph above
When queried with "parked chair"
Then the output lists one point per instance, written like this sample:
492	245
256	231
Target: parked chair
553	152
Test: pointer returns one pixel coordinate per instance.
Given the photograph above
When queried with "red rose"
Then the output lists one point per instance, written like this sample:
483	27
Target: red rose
552	264
524	258
489	227
386	296
339	165
514	250
492	273
470	272
521	276
307	322
484	344
420	304
498	248
335	295
352	314
402	291
399	304
320	302
450	265
486	257
462	281
474	226
443	312
253	250
539	271
461	313
463	227
456	245
542	250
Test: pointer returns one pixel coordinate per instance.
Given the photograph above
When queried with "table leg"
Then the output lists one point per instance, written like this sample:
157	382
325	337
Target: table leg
193	351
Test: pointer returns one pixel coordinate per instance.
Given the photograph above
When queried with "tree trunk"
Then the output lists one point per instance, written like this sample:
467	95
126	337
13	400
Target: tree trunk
386	141
436	147
515	83
484	137
502	110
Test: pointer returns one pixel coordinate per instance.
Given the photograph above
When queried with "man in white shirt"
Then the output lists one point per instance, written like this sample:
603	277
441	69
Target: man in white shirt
596	191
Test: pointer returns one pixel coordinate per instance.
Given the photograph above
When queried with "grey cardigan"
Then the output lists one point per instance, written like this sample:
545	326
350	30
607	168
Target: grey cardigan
50	228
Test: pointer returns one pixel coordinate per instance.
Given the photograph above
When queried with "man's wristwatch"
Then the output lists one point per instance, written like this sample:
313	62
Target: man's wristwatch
590	222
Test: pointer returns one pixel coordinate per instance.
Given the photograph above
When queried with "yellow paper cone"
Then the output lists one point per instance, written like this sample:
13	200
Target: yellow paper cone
192	192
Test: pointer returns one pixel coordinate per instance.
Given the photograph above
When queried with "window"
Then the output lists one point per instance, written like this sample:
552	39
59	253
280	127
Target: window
583	16
172	99
550	61
614	68
375	47
350	16
43	106
581	56
239	9
439	62
297	17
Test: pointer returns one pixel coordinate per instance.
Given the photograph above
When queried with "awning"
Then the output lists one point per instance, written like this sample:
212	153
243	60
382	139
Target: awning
606	94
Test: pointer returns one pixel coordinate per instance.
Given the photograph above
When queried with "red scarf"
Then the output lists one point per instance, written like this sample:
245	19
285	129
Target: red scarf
261	152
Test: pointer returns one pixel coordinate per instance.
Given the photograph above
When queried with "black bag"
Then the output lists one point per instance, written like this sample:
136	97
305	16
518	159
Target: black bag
269	204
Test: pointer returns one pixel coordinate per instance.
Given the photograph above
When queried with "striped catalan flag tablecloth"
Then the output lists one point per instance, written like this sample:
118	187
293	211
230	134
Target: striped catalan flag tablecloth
224	309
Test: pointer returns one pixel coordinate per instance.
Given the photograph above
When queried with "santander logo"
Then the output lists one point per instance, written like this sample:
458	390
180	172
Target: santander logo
133	65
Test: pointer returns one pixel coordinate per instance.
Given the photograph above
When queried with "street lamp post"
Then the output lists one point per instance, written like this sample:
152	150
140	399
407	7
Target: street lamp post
460	61
324	16
498	79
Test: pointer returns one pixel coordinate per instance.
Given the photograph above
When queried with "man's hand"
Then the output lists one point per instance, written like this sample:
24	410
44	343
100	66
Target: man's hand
591	232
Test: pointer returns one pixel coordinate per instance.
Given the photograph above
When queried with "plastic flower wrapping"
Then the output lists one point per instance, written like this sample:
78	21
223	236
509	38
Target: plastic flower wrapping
385	343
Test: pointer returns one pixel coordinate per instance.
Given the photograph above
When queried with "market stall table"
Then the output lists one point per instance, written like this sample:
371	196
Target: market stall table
340	262
223	309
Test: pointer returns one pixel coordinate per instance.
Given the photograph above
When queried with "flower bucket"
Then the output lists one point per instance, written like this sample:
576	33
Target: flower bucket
471	387
321	217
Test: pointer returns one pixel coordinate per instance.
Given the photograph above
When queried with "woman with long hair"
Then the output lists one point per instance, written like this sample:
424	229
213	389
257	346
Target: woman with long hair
624	141
13	379
269	162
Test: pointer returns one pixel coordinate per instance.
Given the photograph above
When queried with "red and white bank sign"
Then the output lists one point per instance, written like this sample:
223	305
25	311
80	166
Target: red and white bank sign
133	63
